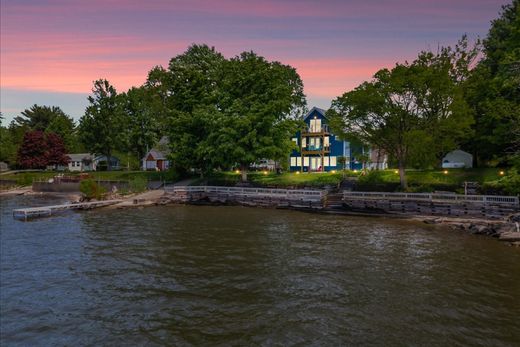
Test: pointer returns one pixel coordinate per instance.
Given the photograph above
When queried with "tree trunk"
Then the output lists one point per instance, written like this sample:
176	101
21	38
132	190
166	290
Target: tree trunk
402	174
243	172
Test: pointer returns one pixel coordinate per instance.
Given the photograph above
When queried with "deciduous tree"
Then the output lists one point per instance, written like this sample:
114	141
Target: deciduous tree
189	91
142	124
32	154
408	107
101	127
493	90
259	104
56	152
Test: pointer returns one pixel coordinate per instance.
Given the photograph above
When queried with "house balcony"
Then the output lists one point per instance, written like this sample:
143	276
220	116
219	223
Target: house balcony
315	149
316	131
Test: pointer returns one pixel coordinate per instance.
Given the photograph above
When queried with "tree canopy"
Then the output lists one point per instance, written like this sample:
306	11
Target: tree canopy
227	112
40	117
40	149
259	104
413	111
101	128
493	90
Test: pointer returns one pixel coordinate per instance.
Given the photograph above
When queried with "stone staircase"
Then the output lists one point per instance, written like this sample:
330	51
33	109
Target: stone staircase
333	201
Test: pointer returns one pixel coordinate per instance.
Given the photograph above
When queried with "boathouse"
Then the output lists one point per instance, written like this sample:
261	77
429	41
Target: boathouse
320	150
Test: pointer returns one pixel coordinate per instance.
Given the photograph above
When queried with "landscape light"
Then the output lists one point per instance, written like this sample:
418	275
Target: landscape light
445	172
501	173
238	171
297	172
355	171
396	171
265	172
333	171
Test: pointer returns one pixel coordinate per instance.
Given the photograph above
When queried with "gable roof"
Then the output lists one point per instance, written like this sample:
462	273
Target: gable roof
161	150
80	156
156	154
317	109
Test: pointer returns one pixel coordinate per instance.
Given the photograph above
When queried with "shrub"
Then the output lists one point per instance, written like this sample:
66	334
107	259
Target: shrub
138	184
373	177
91	190
507	185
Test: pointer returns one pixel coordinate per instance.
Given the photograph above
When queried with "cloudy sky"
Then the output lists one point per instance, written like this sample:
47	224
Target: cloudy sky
52	50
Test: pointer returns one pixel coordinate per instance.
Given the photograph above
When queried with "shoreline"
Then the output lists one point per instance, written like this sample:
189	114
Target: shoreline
506	229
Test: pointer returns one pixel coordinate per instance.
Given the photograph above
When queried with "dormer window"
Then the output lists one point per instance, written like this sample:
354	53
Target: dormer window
315	125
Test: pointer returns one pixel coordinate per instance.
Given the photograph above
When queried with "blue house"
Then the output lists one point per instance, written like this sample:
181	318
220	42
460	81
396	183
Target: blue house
319	149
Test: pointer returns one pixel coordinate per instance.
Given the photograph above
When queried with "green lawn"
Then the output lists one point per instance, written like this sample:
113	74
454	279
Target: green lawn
26	178
449	176
386	180
430	180
270	179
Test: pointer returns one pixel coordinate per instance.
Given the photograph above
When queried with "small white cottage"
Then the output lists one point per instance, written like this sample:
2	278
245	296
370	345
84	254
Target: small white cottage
457	159
79	162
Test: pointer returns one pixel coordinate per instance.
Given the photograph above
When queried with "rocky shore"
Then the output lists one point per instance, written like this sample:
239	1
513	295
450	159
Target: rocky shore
507	230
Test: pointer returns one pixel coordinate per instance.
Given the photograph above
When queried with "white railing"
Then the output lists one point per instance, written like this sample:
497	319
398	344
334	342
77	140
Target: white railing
484	199
238	191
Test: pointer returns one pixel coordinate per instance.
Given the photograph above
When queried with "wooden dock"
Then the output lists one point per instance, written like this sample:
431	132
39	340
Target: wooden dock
44	211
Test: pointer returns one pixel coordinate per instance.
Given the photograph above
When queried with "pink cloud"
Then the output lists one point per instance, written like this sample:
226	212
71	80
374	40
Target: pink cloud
329	78
69	63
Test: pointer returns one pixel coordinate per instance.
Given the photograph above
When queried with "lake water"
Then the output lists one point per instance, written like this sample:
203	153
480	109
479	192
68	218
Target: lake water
220	276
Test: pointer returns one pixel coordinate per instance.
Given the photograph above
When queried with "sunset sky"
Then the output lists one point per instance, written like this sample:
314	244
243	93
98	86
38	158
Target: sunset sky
52	50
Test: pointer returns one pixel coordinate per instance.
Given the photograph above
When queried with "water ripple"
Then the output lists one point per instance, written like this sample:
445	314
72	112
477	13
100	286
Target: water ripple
221	276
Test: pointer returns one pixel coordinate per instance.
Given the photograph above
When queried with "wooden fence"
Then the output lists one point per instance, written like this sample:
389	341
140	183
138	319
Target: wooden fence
475	206
482	199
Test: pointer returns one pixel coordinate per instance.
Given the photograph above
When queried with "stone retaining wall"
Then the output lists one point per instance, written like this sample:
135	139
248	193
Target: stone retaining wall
246	199
433	208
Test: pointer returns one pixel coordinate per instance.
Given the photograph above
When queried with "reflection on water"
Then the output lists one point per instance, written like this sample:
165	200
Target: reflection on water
184	275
